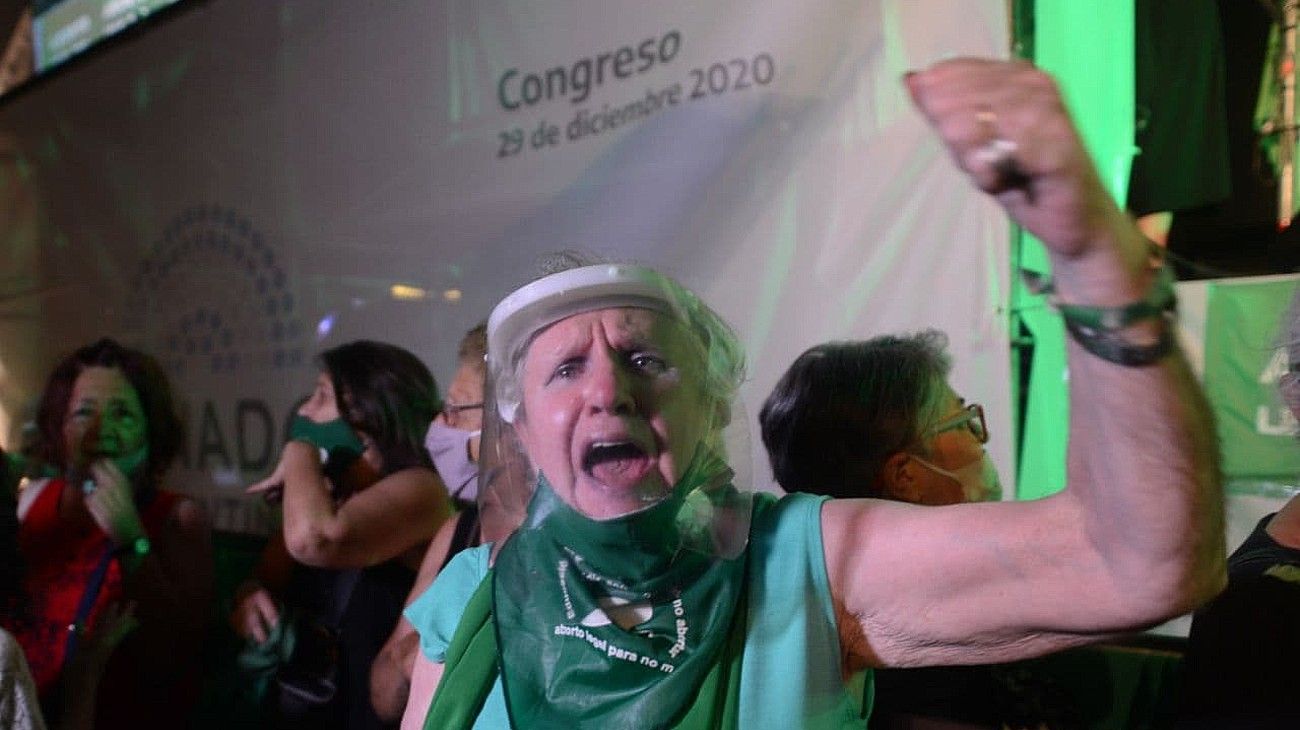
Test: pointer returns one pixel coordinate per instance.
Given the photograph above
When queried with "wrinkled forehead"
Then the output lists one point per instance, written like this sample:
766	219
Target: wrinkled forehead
622	327
549	307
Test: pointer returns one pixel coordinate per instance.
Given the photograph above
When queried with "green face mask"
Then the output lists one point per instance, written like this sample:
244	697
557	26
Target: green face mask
338	443
132	464
611	609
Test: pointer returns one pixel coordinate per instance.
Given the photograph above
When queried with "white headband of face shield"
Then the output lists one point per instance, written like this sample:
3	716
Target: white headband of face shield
534	307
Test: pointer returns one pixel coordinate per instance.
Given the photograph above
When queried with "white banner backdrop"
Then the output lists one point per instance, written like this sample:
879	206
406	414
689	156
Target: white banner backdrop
244	183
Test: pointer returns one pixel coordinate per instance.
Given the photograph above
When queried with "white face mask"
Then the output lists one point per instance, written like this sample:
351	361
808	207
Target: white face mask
449	449
979	479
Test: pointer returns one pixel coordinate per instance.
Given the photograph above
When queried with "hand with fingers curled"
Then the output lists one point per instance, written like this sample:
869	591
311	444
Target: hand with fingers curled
111	503
256	613
1006	125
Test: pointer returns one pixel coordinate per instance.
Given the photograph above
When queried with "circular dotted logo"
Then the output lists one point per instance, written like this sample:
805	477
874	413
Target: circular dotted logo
211	297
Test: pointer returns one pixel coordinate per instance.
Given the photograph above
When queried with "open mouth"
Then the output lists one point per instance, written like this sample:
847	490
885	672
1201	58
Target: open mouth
615	462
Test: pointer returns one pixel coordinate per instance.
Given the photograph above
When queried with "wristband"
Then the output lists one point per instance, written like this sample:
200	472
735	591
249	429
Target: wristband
139	547
1099	330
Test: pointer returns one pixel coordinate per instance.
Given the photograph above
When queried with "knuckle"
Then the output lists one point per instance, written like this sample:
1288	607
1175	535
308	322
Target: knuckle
1042	82
953	128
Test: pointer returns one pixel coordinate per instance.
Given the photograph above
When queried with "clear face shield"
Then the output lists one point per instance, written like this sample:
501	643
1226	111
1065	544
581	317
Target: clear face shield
608	399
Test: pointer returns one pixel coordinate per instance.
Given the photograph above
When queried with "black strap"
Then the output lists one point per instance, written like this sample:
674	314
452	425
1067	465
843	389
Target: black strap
344	587
465	536
1111	346
88	598
95	585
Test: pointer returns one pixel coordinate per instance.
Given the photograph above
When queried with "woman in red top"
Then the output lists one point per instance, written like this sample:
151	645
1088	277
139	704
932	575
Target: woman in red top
105	533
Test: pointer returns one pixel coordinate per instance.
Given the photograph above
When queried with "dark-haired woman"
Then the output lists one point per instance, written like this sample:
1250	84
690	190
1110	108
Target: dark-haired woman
105	534
361	501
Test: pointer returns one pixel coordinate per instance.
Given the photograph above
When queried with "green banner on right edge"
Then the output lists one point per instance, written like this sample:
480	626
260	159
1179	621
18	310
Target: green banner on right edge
1242	365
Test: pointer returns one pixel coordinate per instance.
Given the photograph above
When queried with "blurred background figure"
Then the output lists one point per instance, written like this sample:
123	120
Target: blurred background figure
453	443
105	546
19	707
1239	669
361	501
453	437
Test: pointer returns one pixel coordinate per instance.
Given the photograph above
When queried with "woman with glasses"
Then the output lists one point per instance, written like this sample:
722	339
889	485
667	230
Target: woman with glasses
877	418
453	437
453	443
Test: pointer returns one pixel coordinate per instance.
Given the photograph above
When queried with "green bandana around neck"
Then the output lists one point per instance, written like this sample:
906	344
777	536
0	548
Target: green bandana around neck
565	585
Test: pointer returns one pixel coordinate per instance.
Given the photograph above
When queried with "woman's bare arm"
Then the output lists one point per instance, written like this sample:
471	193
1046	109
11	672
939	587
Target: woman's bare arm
1136	536
390	674
424	683
380	522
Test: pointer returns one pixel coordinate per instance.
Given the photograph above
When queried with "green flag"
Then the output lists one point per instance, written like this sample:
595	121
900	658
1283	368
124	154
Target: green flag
1242	364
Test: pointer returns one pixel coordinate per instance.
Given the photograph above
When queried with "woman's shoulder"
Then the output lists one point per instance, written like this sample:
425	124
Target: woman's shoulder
415	480
786	555
464	571
436	612
786	516
417	472
452	587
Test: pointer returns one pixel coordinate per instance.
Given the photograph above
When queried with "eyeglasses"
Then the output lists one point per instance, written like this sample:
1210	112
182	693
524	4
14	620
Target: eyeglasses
972	417
454	408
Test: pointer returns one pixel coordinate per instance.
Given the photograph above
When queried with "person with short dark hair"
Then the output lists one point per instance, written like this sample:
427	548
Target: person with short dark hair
877	418
361	501
105	534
